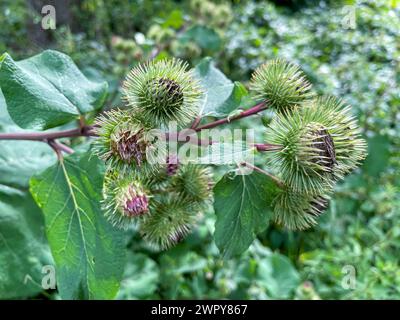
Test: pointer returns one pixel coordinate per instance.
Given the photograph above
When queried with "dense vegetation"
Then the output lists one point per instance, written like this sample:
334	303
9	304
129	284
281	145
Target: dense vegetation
360	64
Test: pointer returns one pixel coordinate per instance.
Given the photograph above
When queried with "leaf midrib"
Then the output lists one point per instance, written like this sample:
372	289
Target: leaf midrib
77	209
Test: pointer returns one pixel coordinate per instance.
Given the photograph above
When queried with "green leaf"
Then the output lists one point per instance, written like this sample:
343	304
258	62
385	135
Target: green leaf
48	90
174	20
222	96
179	261
242	208
278	275
378	155
23	245
19	160
205	37
141	277
88	251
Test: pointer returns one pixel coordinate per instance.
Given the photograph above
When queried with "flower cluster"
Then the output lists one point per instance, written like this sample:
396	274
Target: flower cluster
316	143
163	199
319	138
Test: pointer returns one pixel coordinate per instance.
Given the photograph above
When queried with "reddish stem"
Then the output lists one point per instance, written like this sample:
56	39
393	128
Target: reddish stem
195	122
42	136
87	131
267	146
249	112
255	168
62	147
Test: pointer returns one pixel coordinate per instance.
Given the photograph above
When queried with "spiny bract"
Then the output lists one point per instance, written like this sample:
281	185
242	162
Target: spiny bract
170	220
298	211
350	147
164	205
281	84
181	193
307	158
124	142
124	199
193	182
163	91
320	142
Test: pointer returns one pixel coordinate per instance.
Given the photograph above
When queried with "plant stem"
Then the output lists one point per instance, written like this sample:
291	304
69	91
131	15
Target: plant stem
267	147
195	123
255	168
85	131
63	147
249	112
50	138
56	149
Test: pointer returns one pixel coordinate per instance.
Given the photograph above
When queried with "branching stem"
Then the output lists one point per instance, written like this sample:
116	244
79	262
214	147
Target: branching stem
87	131
255	168
246	113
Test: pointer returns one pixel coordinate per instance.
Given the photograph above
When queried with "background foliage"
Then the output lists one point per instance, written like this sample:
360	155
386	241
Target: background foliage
106	38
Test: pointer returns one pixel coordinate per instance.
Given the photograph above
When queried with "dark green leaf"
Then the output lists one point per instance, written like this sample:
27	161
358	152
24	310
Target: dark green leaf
140	277
23	246
174	20
88	251
205	37
19	160
242	208
47	90
222	96
278	275
378	155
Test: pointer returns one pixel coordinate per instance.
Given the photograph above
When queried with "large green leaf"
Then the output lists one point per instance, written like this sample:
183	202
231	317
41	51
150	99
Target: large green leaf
278	275
205	37
88	251
20	159
23	245
141	277
47	90
222	96
242	208
378	155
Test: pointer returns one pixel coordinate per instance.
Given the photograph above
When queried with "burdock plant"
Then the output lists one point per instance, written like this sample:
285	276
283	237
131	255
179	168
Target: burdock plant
171	219
320	143
163	91
125	199
298	211
307	159
311	143
281	84
334	114
163	205
179	197
124	142
316	142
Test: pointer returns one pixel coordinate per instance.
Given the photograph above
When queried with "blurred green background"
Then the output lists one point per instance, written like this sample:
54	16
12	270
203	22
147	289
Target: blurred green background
347	48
